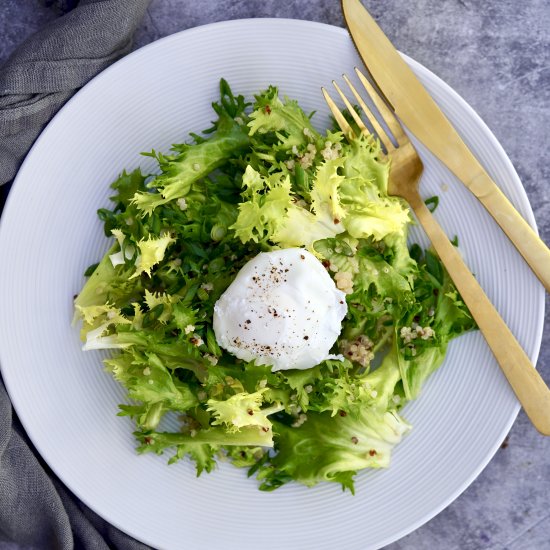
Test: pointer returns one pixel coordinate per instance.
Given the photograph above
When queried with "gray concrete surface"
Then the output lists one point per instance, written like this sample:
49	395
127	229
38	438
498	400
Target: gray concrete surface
496	54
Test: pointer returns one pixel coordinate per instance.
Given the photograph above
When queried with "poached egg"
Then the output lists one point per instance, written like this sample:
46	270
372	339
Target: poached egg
283	309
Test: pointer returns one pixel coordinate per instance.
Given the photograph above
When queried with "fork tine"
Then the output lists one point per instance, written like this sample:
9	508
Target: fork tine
381	133
342	122
387	114
351	110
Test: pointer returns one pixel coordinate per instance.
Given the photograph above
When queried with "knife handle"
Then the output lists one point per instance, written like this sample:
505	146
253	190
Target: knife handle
523	236
529	387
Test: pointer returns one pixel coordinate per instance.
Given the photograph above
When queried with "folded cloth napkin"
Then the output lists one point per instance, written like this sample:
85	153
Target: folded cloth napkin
50	67
36	510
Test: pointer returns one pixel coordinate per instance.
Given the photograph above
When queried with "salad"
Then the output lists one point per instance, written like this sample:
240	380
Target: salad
260	186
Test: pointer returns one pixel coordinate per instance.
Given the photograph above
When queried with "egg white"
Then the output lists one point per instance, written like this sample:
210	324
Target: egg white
283	309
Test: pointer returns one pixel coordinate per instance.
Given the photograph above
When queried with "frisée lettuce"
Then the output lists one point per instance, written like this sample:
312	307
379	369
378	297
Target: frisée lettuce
260	179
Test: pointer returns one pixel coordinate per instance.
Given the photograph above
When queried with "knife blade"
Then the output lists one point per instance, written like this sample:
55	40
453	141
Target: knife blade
421	115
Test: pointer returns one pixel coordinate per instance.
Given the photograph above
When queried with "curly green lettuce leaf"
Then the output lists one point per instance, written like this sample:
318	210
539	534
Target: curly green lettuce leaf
192	162
202	445
148	380
286	120
242	410
356	427
267	200
151	252
108	284
327	448
303	227
300	227
348	193
325	193
364	194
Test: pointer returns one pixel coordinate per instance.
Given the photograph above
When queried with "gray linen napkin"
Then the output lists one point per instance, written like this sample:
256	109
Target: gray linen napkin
53	64
36	510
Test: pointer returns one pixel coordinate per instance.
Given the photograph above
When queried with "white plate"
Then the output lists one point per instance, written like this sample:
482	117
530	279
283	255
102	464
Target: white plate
68	404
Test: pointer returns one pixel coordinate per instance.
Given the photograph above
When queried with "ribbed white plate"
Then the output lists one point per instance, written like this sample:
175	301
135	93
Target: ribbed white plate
68	404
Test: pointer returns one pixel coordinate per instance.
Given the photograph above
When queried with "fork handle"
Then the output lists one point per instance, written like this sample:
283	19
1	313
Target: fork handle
529	387
522	235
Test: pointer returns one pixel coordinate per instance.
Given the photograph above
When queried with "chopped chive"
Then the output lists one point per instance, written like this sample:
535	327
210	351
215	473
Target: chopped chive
202	294
90	270
416	253
211	343
433	266
432	203
155	224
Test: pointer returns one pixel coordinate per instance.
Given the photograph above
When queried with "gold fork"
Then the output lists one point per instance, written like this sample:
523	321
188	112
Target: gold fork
405	172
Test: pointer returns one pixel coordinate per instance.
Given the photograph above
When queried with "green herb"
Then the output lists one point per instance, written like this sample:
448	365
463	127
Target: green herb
432	203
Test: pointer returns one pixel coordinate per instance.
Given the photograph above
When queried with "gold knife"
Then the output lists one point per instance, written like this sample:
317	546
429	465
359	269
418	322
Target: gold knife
421	115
